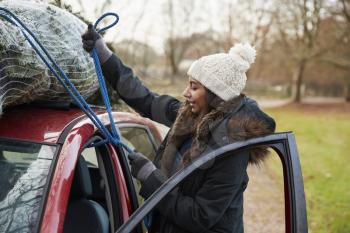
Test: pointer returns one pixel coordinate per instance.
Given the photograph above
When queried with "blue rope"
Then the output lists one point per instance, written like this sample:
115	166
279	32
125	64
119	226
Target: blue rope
103	88
57	71
109	26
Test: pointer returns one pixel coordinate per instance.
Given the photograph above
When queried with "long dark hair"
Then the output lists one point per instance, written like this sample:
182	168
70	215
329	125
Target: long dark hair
212	99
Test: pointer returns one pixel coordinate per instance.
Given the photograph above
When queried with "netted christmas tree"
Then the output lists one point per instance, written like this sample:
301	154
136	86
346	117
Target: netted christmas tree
23	76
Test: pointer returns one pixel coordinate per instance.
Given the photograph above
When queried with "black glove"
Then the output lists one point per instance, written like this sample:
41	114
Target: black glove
141	166
91	38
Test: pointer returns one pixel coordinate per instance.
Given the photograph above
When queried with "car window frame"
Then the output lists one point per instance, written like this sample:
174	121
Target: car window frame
121	154
285	146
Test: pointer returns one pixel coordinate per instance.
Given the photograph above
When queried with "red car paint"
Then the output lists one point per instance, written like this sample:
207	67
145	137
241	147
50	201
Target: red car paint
36	124
46	125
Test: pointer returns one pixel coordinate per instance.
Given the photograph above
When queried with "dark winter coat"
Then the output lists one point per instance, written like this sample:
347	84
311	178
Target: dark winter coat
211	199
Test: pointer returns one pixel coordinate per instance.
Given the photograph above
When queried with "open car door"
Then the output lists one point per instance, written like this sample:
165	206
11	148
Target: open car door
285	146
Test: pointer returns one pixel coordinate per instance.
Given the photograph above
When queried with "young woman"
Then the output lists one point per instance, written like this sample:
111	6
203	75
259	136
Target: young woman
214	114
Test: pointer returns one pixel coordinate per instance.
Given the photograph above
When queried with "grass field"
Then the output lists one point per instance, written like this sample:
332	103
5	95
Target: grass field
323	138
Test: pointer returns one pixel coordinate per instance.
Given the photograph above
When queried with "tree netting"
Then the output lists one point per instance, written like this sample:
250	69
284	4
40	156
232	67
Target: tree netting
23	76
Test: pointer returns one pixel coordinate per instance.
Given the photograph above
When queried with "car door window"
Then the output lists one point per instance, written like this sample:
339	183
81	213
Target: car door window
24	168
97	181
90	156
139	137
285	147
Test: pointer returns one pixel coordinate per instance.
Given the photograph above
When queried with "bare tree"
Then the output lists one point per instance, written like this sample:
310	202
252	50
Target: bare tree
345	9
148	55
132	46
261	21
299	23
141	55
230	37
336	28
176	45
341	57
246	21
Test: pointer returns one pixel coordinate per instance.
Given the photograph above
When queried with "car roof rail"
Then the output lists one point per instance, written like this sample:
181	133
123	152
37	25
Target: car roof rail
64	105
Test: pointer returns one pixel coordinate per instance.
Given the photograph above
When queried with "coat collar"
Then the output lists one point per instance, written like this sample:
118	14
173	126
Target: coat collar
225	110
188	125
239	125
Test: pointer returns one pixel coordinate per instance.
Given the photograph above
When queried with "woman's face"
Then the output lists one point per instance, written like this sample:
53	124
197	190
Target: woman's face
195	94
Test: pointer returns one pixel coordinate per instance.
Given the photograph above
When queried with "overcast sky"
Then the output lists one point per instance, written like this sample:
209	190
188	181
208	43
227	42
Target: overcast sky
150	14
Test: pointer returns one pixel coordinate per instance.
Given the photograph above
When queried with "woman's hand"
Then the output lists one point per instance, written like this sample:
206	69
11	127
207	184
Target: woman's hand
141	166
91	38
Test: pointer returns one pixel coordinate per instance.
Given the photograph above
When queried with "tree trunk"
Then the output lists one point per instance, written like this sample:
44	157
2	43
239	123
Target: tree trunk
347	92
299	81
174	70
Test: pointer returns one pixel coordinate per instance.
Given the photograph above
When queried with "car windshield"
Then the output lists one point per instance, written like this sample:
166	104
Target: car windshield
24	169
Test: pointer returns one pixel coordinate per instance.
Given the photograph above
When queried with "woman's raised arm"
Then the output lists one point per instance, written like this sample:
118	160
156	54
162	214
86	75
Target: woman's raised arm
160	108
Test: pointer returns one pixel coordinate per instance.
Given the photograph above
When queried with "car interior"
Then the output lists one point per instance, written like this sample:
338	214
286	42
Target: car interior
83	213
91	208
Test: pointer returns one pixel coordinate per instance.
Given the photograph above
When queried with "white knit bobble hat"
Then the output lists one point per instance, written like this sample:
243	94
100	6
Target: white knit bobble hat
224	73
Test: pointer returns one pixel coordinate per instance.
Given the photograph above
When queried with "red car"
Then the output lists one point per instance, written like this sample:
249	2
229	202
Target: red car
53	179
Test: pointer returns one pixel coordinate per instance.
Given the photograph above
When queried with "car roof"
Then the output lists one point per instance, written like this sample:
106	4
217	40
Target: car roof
45	124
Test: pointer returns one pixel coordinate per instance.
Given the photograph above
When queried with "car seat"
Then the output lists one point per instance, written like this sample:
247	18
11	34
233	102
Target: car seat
84	215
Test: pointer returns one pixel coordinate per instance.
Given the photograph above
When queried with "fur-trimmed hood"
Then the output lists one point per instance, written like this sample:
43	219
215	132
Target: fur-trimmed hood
238	119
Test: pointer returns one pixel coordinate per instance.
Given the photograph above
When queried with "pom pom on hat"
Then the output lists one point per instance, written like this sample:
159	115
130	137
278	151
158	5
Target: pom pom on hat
245	51
224	73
